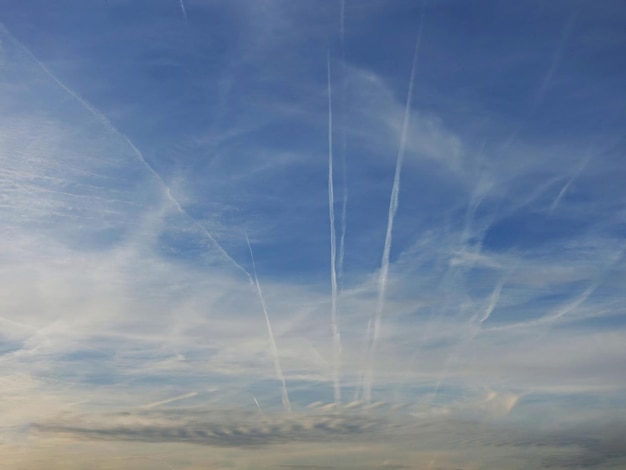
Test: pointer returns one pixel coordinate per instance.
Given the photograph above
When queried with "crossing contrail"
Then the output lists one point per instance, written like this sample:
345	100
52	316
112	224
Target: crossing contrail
374	327
333	246
270	333
102	118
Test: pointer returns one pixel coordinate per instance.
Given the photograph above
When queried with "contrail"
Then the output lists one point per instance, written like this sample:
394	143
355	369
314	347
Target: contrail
102	118
274	349
547	79
169	400
344	164
374	327
342	17
182	8
333	245
493	301
558	54
475	327
257	405
564	189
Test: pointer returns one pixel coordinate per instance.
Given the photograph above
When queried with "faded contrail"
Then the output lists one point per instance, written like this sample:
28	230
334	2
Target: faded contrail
169	400
333	246
547	79
564	189
342	16
477	323
182	7
493	301
257	405
558	54
102	118
374	327
279	371
344	164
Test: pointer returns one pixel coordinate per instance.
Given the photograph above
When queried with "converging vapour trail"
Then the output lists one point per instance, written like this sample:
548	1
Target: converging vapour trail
270	333
102	118
333	246
182	7
374	326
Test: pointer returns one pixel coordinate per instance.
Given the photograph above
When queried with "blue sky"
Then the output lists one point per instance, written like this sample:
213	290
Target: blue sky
338	234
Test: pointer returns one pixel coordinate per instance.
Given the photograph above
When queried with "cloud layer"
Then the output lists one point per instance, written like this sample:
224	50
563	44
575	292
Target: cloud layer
229	240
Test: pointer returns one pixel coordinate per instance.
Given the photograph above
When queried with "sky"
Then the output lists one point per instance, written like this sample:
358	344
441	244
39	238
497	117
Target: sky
338	234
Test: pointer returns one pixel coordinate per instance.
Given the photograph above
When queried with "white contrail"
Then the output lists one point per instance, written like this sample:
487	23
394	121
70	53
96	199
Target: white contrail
170	400
342	16
333	246
374	329
257	405
564	189
344	165
493	301
476	325
102	118
558	54
182	7
548	77
274	349
552	316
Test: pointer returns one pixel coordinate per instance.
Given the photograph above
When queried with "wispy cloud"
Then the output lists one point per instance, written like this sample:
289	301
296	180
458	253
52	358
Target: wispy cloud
137	149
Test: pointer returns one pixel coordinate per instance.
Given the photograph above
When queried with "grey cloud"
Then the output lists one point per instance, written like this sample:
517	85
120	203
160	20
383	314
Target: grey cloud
223	429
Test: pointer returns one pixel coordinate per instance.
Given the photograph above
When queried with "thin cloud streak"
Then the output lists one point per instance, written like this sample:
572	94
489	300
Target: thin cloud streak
169	400
393	208
333	247
182	8
270	333
102	118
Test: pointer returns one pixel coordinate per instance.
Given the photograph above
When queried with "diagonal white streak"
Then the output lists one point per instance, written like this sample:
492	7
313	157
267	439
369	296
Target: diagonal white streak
333	246
270	333
182	7
374	326
102	118
257	405
170	400
576	174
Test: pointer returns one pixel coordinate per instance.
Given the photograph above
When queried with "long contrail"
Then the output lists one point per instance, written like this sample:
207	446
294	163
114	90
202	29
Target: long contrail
270	333
182	7
374	328
333	246
170	400
102	118
344	164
